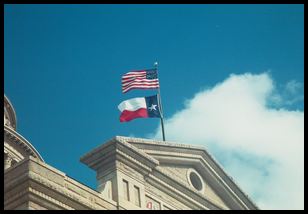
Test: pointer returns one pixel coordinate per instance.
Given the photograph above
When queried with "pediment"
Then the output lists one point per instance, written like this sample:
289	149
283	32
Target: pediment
186	165
191	165
178	169
194	180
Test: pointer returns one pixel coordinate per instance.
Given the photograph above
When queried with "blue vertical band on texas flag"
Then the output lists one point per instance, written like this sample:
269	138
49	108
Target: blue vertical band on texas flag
152	106
140	107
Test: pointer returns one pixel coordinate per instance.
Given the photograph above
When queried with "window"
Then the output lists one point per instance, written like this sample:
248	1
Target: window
125	190
137	196
195	180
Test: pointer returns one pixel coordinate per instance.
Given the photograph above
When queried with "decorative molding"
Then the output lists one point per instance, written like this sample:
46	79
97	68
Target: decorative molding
21	142
199	161
141	141
130	171
163	197
133	162
12	151
47	180
50	199
7	161
188	175
61	189
183	187
178	194
13	198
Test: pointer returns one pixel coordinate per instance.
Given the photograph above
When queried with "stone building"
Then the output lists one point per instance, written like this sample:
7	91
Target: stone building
132	173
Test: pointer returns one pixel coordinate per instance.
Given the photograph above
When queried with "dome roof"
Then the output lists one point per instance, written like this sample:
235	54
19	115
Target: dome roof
9	114
15	144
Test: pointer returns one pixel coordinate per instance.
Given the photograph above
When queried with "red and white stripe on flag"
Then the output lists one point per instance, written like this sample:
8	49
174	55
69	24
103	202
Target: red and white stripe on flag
138	80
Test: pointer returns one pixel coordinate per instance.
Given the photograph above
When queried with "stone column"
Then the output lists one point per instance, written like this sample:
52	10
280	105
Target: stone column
7	161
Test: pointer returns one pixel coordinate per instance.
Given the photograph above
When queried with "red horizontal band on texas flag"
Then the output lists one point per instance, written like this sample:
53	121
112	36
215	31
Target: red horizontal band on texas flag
130	115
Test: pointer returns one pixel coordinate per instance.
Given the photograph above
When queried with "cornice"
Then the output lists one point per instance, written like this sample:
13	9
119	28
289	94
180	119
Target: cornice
20	141
49	199
228	181
166	144
51	184
116	149
15	197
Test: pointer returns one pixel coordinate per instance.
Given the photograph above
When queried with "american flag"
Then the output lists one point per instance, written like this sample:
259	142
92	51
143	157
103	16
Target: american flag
143	79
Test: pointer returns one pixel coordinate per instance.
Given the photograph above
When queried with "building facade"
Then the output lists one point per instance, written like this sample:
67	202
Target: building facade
132	173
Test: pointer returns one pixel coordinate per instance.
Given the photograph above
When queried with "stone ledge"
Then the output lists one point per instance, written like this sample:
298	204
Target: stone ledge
63	187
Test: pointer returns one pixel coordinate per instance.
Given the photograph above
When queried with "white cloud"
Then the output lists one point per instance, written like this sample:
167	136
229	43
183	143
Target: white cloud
293	86
260	147
292	93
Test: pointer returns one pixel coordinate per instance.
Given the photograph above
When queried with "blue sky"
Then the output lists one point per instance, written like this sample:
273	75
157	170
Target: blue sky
63	66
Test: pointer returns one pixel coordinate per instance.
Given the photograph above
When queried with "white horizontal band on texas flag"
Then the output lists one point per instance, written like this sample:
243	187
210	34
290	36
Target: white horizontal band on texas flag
143	79
140	107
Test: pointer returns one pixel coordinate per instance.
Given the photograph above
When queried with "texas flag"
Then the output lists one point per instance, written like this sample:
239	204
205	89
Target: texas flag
139	107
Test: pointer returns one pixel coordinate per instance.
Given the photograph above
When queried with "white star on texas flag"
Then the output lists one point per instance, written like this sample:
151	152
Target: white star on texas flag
152	107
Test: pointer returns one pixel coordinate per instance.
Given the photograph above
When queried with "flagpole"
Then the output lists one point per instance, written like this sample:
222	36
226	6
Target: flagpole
160	105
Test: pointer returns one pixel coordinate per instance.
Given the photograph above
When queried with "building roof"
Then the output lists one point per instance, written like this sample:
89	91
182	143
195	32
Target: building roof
159	157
